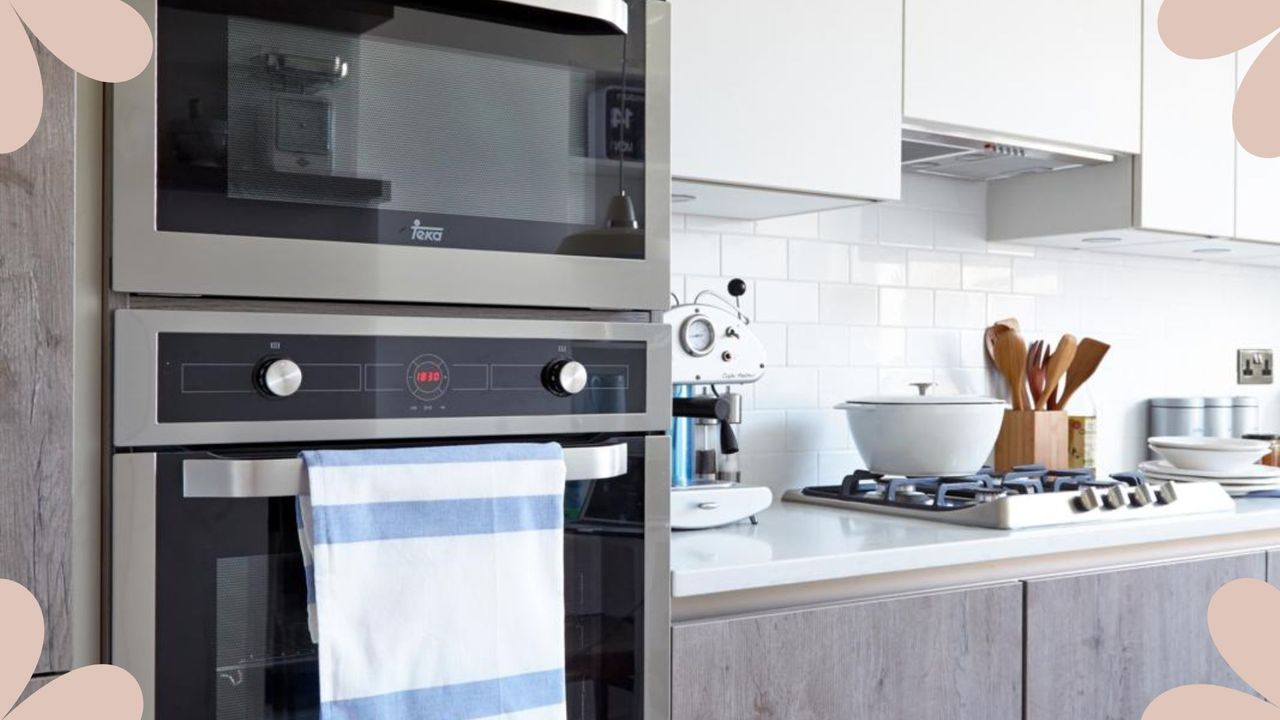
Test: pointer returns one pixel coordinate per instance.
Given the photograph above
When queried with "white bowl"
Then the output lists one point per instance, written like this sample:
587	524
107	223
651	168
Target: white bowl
924	436
1222	455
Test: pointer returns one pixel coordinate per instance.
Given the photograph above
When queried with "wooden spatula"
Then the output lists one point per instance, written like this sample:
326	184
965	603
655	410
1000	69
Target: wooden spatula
1055	369
1011	358
1088	356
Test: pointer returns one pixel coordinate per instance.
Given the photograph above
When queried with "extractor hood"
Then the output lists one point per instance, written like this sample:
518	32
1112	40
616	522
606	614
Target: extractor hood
971	156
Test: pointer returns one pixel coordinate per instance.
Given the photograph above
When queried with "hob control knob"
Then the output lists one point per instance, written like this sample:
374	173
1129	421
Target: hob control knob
1087	499
280	377
1166	494
1143	495
1115	498
565	377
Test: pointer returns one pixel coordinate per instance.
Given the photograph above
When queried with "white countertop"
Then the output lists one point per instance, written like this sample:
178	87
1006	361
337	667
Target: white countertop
798	543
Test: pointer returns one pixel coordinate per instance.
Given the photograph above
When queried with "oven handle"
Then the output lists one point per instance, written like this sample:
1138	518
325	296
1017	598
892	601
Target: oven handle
287	477
611	12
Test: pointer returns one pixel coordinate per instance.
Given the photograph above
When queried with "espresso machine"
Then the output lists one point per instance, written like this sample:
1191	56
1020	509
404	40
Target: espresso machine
714	351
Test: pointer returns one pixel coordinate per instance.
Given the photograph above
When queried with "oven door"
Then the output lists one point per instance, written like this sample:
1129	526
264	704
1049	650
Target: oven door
397	150
209	606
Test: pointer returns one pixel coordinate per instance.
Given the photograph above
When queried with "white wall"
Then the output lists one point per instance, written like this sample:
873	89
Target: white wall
865	300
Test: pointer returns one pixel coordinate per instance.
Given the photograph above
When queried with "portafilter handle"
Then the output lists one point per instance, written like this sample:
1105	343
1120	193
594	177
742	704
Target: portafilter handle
710	408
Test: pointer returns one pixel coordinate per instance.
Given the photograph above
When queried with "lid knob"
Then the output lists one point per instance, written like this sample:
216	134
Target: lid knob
923	387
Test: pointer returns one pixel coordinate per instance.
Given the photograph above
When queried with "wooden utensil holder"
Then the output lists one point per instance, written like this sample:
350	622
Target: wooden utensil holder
1033	437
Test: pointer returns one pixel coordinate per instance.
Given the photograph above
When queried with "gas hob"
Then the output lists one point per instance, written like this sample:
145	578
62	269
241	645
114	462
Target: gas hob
1027	497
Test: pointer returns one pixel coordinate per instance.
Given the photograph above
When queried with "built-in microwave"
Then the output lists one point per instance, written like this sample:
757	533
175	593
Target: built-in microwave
495	152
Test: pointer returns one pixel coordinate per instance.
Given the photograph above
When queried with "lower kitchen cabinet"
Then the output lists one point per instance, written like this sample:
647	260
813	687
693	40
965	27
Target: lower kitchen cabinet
953	655
1102	646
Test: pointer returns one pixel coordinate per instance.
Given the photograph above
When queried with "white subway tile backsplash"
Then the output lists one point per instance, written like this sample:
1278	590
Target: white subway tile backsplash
751	256
987	272
848	304
695	253
838	384
959	309
929	269
877	347
876	265
774	338
857	224
814	430
786	388
1020	307
933	348
816	260
868	299
906	227
906	307
792	302
817	345
793	226
960	231
1035	277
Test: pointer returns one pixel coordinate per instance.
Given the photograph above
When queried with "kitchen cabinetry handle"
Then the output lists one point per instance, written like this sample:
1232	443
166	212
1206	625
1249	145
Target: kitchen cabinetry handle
286	477
611	12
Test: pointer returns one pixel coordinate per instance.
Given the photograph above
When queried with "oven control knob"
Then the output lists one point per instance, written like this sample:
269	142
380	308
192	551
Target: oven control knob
280	377
565	377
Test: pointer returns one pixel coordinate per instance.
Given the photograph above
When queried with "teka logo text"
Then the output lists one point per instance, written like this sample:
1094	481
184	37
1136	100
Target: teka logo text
423	233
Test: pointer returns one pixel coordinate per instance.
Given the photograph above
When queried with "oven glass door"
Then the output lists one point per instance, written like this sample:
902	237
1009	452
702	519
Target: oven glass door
479	125
231	639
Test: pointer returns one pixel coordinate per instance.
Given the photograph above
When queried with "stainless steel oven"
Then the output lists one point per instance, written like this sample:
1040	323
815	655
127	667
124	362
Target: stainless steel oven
209	601
494	152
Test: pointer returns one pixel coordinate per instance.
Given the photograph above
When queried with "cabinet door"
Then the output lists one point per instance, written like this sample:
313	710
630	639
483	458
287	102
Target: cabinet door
954	655
1067	72
1107	644
37	194
1188	164
797	96
1257	179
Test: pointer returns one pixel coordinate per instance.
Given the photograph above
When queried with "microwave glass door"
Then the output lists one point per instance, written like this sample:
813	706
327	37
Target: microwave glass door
477	125
230	625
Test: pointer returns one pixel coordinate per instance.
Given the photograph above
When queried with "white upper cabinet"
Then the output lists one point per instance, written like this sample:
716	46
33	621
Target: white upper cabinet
1257	179
1063	71
1188	166
785	107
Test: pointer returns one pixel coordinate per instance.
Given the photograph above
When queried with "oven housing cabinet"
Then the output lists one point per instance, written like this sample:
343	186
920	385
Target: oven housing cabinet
145	259
171	525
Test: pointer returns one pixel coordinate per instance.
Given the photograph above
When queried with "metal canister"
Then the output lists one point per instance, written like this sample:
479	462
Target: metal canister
1244	416
1184	416
1217	417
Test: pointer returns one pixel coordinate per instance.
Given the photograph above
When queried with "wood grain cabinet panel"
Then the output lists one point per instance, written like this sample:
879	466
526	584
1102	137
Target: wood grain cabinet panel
953	655
37	202
1102	646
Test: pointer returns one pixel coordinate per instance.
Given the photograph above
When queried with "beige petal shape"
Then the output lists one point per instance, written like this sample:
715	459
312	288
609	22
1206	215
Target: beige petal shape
102	39
21	630
1242	622
1257	109
21	92
1213	28
1209	702
97	692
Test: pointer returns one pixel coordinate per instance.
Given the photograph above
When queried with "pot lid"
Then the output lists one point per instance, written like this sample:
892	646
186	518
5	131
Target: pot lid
922	400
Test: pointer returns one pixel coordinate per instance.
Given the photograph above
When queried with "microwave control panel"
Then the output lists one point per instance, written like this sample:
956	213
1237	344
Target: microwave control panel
215	377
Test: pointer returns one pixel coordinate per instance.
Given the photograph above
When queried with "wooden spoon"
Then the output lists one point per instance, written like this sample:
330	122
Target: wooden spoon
1088	356
1011	358
1001	326
1036	356
1055	368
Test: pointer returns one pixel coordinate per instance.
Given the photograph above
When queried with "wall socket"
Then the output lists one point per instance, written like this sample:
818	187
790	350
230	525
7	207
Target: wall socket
1254	367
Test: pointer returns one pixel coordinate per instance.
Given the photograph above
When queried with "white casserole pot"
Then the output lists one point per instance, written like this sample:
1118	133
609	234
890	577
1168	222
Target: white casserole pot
928	435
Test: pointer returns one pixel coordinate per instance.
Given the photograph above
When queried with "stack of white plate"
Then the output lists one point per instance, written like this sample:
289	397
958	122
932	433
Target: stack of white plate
1229	462
1237	483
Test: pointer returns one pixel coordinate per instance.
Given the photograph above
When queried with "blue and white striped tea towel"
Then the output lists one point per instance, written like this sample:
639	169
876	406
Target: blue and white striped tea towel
437	577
